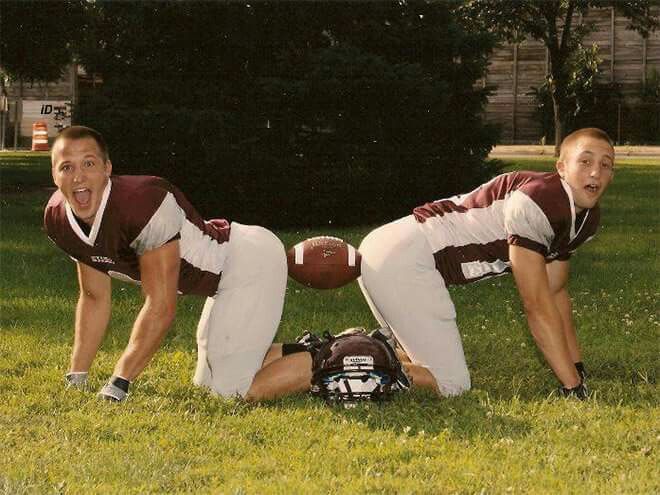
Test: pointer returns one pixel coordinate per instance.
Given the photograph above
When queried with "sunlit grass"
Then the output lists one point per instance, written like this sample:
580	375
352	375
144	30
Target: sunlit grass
509	434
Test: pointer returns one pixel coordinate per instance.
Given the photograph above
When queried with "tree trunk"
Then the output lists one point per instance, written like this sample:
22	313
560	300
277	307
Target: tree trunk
4	112
558	111
17	119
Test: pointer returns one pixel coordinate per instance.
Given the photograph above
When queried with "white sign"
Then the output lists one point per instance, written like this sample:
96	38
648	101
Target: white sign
56	113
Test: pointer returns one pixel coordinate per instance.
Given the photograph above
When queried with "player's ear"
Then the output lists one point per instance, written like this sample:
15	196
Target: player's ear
561	167
108	168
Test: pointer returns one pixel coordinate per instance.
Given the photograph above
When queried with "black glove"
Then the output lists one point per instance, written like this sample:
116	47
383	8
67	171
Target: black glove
580	392
312	342
76	379
385	335
116	390
579	366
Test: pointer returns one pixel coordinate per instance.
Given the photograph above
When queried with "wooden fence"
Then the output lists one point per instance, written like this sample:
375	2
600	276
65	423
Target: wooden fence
515	69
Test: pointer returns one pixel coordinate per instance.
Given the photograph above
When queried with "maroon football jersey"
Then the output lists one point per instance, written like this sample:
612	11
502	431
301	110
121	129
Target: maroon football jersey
470	234
137	214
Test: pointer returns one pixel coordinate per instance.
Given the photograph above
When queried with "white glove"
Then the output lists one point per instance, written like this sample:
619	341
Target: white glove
76	379
116	390
352	331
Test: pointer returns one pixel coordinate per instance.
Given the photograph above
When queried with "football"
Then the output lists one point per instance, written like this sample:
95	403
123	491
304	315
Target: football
323	262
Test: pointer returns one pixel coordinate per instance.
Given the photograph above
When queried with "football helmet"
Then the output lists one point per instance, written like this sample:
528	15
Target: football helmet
354	367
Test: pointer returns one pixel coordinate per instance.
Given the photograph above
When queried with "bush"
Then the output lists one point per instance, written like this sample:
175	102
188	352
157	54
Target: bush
355	114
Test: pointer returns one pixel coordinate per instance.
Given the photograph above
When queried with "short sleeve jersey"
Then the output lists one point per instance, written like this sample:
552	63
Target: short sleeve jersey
470	234
138	214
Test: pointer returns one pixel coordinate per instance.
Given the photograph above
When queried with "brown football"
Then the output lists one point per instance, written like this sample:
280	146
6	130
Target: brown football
323	262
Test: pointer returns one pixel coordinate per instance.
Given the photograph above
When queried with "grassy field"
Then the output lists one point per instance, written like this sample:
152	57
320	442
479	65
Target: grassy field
508	435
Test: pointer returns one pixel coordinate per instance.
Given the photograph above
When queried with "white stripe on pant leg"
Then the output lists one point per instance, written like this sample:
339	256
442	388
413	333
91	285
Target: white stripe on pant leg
371	249
374	310
203	372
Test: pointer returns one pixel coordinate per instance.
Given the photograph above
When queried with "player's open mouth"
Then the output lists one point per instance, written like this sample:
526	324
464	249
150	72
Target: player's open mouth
82	196
592	188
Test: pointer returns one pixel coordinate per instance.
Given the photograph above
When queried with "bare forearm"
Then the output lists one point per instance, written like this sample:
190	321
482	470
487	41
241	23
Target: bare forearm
148	331
546	327
563	302
92	317
538	283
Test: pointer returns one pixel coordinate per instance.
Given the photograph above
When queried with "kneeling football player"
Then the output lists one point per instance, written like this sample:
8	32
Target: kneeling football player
142	229
528	223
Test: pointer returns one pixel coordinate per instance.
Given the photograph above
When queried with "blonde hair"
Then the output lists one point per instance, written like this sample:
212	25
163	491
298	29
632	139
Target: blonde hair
592	132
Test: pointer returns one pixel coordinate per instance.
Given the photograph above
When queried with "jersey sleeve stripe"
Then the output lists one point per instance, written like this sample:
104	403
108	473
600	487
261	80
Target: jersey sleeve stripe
200	250
524	219
165	224
516	240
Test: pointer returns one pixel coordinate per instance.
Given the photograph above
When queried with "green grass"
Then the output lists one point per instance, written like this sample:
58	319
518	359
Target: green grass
20	171
506	435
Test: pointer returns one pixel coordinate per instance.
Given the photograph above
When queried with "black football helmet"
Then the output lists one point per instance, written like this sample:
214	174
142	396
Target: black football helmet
354	367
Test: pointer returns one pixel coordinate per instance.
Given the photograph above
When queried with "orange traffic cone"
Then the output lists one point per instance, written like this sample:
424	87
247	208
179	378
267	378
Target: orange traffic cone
40	136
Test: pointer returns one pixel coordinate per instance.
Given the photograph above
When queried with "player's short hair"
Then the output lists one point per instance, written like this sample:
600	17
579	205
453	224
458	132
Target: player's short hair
81	132
592	132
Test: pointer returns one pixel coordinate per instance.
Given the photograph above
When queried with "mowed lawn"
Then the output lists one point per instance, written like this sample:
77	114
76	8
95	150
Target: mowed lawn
509	434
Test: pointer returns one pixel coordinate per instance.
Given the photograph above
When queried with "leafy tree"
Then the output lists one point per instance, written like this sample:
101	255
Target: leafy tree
291	113
554	22
36	41
37	38
583	93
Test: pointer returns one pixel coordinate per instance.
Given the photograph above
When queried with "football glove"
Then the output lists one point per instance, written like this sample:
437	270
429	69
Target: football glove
312	342
579	366
384	334
402	381
76	379
352	331
116	390
580	392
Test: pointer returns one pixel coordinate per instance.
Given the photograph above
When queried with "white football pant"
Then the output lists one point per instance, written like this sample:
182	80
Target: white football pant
239	323
406	293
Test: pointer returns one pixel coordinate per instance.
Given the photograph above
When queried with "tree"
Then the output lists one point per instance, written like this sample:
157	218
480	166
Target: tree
36	42
558	24
291	113
37	38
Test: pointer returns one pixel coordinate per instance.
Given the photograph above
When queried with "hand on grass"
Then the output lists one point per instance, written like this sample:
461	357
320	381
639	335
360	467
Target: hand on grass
580	392
579	366
76	379
116	390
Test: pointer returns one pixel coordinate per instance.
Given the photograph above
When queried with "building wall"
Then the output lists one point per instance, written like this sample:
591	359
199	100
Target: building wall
30	102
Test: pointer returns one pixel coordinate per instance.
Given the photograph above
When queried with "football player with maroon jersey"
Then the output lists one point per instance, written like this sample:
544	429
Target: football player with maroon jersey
143	229
528	223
